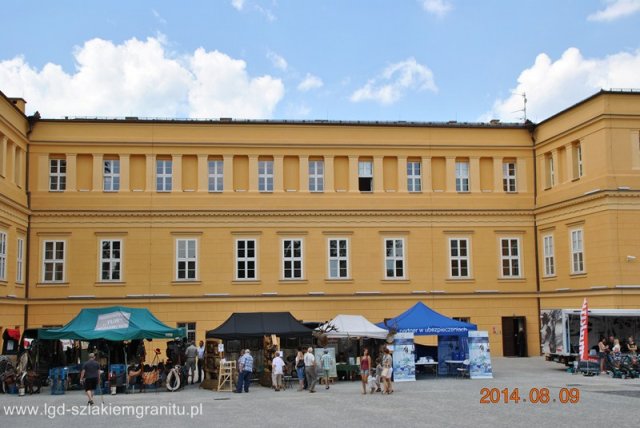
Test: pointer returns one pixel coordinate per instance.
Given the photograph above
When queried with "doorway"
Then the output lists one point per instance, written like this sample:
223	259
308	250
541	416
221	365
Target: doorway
514	336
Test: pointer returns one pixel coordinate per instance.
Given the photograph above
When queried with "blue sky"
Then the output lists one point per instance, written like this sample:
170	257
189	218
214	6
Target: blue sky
419	60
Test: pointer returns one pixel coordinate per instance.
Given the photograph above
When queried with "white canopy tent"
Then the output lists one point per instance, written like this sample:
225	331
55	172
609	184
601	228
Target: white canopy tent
353	326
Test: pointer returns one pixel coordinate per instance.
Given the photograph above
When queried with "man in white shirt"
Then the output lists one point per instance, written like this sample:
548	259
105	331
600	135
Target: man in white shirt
201	362
278	370
310	369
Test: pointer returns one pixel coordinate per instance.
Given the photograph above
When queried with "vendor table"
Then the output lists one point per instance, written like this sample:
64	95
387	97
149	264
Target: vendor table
452	365
431	365
347	371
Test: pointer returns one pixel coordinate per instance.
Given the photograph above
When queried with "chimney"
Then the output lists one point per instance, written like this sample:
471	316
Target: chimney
20	103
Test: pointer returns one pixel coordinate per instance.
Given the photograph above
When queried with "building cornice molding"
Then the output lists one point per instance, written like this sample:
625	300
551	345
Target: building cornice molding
581	200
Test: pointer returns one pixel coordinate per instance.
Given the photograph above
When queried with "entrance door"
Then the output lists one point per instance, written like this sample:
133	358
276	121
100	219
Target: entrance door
514	341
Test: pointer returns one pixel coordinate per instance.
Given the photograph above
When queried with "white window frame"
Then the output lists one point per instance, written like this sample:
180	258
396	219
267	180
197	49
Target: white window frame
215	171
548	255
365	170
414	176
394	257
54	262
293	260
462	177
164	179
111	175
513	259
112	261
3	256
246	260
551	174
20	260
338	258
190	332
577	251
57	171
578	160
265	176
509	178
316	176
459	259
187	259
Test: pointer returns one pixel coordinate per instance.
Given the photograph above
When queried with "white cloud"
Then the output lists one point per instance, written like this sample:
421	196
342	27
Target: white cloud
395	81
310	82
553	86
141	78
277	61
238	4
437	7
616	9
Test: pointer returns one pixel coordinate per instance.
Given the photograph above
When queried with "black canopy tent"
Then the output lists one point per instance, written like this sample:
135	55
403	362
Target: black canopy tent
247	325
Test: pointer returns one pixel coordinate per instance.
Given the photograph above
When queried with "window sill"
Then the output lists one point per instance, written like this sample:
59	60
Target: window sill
396	281
52	284
339	280
110	284
246	282
460	280
549	278
3	283
578	275
293	281
186	282
512	279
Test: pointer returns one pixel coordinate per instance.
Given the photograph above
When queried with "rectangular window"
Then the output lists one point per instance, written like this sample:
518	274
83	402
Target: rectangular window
577	251
550	172
414	176
462	176
459	257
3	256
246	259
577	160
20	261
510	257
186	259
216	176
164	173
111	175
316	176
57	175
394	258
509	177
365	176
549	256
190	329
265	176
292	259
338	258
53	261
110	260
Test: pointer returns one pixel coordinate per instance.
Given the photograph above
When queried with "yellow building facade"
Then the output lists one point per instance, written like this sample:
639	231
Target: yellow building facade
196	220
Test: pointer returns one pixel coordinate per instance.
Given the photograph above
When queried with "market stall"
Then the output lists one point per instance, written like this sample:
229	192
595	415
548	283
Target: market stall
424	321
263	333
111	325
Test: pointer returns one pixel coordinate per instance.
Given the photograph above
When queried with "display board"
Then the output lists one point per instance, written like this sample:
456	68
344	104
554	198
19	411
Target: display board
404	367
479	355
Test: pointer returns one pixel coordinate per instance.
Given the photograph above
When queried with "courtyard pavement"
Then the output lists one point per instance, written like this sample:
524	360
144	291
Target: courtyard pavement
427	402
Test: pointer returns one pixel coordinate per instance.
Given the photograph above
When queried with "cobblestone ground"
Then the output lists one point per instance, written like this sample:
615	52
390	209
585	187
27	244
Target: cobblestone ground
430	401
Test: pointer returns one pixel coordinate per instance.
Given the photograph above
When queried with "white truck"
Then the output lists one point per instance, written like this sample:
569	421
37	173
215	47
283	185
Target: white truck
560	330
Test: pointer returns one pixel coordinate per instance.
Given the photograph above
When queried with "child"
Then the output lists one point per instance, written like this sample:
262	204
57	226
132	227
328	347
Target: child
372	382
378	376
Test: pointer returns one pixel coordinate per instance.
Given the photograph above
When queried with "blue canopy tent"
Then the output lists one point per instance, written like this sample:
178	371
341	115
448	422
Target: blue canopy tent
424	321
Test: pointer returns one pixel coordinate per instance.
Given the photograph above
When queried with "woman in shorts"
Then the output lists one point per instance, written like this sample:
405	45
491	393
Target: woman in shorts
365	366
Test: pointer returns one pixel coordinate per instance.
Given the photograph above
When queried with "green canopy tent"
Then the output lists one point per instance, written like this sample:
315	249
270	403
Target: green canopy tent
116	323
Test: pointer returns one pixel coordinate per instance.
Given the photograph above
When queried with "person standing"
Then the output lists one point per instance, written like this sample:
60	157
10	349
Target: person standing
387	371
326	361
191	353
245	370
300	369
277	367
201	362
310	369
522	343
365	367
89	376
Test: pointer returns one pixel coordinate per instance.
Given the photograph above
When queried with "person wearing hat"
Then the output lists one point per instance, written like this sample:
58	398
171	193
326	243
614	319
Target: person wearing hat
244	372
326	362
89	377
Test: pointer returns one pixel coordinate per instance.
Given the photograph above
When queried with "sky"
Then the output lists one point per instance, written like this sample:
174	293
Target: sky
365	60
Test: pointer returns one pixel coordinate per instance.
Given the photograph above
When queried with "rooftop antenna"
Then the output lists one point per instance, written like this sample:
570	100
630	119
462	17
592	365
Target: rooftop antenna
524	108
